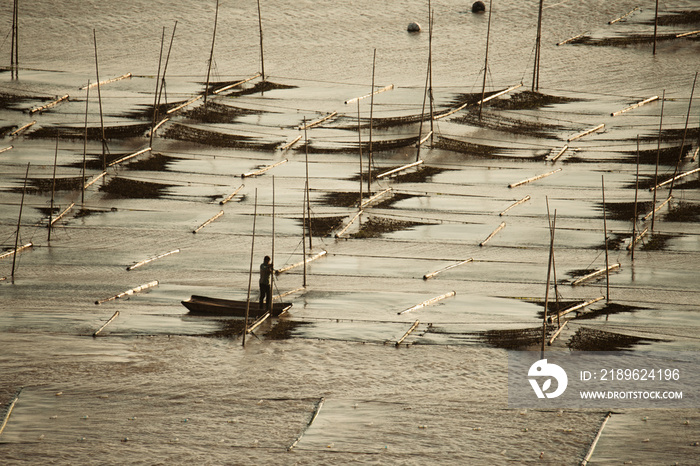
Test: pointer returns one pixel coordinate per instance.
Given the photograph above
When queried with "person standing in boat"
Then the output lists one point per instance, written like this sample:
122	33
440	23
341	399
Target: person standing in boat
265	283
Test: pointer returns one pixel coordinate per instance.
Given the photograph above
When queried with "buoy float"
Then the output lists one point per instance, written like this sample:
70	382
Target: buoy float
413	27
478	7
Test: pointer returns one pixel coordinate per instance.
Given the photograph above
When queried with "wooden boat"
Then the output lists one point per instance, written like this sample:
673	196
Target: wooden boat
202	305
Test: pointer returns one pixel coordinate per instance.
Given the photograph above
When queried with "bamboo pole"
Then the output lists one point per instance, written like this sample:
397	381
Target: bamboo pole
19	221
230	196
106	323
587	132
6	149
401	168
638	104
263	170
560	153
552	226
383	89
9	411
595	274
658	208
516	203
374	198
538	43
231	86
428	302
605	236
370	154
571	39
287	293
636	239
208	222
250	272
623	16
157	126
692	159
685	133
183	105
211	55
457	109
97	177
262	54
359	146
130	156
258	322
290	144
49	105
685	34
309	259
146	261
486	59
313	418
62	213
493	233
595	440
425	138
53	189
129	292
656	26
576	308
658	149
22	128
16	250
99	100
433	274
82	172
106	81
636	195
352	220
534	178
413	327
317	122
151	133
556	334
682	175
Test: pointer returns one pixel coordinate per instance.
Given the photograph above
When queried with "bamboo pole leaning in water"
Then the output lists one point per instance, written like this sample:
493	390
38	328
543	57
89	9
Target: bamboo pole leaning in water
97	177
287	293
493	233
258	322
290	144
413	327
19	249
352	220
433	274
9	411
692	159
157	126
623	16
317	122
403	167
146	261
587	132
208	222
231	86
595	274
185	104
263	170
374	198
428	302
12	147
311	421
106	81
595	440
637	238
571	38
385	88
574	308
49	105
521	201
682	175
653	211
129	292
230	196
22	128
638	104
130	156
60	216
106	324
534	178
498	94
685	34
556	334
560	153
312	258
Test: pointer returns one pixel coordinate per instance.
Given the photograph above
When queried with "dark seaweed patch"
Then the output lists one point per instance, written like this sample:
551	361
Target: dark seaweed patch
213	138
261	86
46	185
515	339
132	189
667	156
587	339
374	227
156	163
608	309
477	150
349	148
511	125
284	329
657	242
218	113
324	226
675	18
683	212
624	210
93	133
528	100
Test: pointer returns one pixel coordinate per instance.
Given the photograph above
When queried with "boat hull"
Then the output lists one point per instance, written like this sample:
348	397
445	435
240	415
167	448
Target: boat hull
203	305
